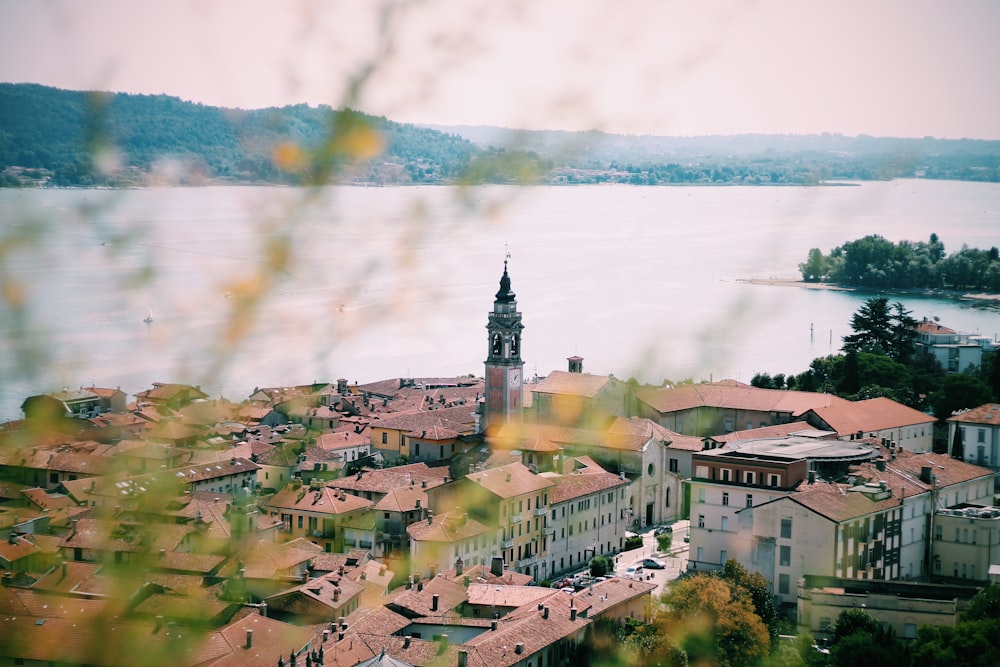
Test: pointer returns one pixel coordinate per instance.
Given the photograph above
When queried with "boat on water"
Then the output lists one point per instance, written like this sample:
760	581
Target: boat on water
149	317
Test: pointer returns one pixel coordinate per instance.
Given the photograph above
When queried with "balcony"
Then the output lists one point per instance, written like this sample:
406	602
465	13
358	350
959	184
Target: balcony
516	518
509	544
541	511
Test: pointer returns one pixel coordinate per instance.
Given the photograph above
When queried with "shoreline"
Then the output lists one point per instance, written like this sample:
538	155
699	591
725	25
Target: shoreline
982	297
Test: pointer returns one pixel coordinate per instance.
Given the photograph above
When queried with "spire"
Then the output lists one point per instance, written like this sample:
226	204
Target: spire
505	295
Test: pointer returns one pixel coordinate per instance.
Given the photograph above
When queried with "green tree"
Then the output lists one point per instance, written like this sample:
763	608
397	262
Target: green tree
959	391
816	268
881	328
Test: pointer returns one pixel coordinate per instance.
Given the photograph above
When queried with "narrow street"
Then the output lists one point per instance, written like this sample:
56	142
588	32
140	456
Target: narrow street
675	560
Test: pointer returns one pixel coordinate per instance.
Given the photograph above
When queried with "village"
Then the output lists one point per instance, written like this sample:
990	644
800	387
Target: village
456	520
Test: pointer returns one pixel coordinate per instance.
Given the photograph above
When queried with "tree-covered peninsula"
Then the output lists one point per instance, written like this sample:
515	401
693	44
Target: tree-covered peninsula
876	263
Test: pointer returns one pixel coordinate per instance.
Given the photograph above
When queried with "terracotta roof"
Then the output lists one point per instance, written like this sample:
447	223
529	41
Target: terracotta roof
506	596
778	430
527	626
874	414
459	419
928	326
449	527
268	560
568	487
513	479
728	394
271	639
988	413
574	384
382	480
324	500
604	595
483	575
416	602
405	499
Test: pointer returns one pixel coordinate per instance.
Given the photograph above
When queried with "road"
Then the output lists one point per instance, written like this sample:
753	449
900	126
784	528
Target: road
676	559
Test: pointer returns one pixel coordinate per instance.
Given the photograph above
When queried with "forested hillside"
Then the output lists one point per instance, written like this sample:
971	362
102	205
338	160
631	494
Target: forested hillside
77	138
70	138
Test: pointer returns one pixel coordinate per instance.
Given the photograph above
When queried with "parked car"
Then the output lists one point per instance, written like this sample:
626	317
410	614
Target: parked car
653	563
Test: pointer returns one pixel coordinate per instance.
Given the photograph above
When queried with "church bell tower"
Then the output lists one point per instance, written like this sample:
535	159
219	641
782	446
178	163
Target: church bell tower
504	368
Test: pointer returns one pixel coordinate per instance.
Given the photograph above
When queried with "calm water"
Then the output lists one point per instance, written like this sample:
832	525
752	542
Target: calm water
387	282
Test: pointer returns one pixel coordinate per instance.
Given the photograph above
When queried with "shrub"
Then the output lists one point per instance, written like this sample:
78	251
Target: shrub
600	566
634	542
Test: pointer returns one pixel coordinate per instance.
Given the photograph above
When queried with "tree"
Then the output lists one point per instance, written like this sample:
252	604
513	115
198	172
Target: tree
959	391
757	589
713	625
816	268
881	328
957	448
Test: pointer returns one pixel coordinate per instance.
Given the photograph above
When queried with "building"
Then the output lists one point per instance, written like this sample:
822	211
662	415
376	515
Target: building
966	542
589	514
578	399
974	435
317	513
796	506
901	606
956	352
880	418
451	541
511	498
722	407
504	400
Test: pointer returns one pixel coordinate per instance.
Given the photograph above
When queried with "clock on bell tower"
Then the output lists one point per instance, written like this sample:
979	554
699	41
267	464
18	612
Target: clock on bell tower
504	367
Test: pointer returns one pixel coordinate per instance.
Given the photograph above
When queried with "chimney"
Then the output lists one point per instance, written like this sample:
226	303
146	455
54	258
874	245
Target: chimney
508	475
496	566
493	625
575	364
326	636
572	613
263	609
925	474
519	648
812	476
434	602
545	612
417	503
463	658
880	465
406	641
249	638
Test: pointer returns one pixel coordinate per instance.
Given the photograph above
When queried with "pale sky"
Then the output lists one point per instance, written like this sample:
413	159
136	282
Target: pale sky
670	67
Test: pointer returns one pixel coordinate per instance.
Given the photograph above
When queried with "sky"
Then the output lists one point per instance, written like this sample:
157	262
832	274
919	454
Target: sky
908	68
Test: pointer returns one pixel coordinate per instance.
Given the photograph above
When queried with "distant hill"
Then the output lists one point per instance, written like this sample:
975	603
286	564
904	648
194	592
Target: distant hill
50	136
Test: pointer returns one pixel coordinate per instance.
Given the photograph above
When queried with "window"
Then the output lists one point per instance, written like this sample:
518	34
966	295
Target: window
725	498
785	555
673	465
749	500
783	584
786	528
726	472
668	496
723	557
385	437
772	480
701	495
701	520
725	525
748	477
650	470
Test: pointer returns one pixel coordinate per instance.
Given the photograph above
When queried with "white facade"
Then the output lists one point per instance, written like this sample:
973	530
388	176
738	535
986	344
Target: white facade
587	525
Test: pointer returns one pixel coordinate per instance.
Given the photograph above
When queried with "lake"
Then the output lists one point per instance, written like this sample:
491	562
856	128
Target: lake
371	283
